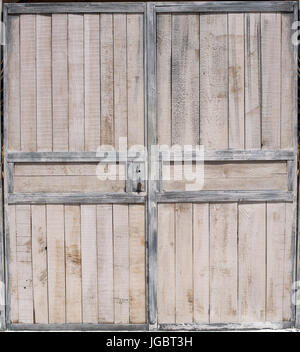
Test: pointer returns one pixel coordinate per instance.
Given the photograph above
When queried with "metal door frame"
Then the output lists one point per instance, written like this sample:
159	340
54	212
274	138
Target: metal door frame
150	11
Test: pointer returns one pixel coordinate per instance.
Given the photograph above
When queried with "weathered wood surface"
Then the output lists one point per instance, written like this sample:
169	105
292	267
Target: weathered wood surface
225	250
73	264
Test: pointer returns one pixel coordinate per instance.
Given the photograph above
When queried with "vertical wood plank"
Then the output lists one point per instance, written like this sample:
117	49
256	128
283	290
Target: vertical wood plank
252	81
164	96
288	262
223	263
252	261
105	263
28	82
92	81
201	262
236	62
121	264
60	87
13	266
39	264
184	263
107	79
185	79
287	83
271	82
166	264
89	264
275	260
76	89
73	264
44	82
56	263
213	81
135	79
120	77
137	269
24	264
13	85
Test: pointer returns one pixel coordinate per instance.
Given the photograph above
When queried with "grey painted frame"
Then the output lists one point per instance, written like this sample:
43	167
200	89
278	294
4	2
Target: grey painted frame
154	196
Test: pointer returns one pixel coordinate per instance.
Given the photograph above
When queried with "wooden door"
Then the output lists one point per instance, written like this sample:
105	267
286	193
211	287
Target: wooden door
74	81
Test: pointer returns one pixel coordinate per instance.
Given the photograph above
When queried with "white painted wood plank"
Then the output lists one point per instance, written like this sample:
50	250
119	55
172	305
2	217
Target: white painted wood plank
107	79
275	260
252	261
89	264
76	82
24	264
44	83
213	81
28	82
271	83
201	262
164	89
13	266
60	87
166	264
135	79
13	85
184	263
236	80
121	264
252	81
287	83
185	79
223	263
92	81
56	264
120	78
73	264
137	265
39	264
105	263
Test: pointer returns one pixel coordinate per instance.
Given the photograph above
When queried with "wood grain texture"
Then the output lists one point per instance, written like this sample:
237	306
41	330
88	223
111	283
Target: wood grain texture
56	264
13	266
137	265
184	263
236	61
91	82
43	83
105	255
252	81
135	79
39	264
166	291
251	252
89	264
185	79
164	78
271	82
24	264
28	82
121	264
106	45
76	82
73	264
13	86
213	81
201	262
120	78
223	263
60	86
287	83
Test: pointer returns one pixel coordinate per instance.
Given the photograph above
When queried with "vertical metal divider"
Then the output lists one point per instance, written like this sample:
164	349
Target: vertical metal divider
152	184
